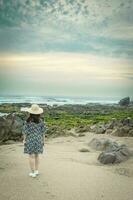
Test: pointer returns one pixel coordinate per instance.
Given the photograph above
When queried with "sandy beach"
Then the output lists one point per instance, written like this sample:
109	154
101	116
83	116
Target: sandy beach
65	172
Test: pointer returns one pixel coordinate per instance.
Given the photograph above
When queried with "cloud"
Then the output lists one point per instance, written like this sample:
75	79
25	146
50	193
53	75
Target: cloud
98	27
71	65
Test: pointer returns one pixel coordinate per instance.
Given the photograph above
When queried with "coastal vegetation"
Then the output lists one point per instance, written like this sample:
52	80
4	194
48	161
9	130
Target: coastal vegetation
65	120
70	116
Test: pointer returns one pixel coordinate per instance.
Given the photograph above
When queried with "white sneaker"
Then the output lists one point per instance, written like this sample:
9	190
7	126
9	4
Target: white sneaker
36	172
32	174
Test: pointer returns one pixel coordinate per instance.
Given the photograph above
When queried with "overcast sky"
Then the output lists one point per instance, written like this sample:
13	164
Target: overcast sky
66	47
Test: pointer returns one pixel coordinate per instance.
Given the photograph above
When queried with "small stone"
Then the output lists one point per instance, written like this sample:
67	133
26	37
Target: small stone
84	150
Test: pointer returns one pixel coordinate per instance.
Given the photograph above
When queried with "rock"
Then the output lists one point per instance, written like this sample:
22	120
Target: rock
108	131
82	129
11	128
102	144
17	126
117	155
55	131
121	132
116	132
127	122
98	128
130	133
93	128
73	134
84	150
122	154
125	101
107	158
111	124
81	134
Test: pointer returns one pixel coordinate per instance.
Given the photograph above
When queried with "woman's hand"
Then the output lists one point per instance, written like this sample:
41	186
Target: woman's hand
24	139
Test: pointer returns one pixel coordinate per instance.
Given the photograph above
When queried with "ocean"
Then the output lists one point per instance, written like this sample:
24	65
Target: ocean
59	100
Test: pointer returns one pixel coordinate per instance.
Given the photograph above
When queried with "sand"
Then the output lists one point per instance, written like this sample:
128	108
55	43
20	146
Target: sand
65	173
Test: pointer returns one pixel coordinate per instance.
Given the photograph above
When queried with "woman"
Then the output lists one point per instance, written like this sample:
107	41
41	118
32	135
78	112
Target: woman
33	137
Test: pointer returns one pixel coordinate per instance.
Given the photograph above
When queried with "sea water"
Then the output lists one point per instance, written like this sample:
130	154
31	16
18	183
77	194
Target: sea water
59	100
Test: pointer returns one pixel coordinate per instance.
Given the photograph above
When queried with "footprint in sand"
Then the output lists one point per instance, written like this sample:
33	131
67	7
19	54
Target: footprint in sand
44	184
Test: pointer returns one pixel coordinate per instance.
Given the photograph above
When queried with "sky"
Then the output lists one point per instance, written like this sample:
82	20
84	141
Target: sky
66	47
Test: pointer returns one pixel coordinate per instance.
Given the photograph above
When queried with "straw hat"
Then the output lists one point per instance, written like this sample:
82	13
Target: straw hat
35	109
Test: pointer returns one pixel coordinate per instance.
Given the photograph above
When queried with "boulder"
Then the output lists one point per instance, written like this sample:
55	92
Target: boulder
120	154
102	144
125	101
107	157
10	128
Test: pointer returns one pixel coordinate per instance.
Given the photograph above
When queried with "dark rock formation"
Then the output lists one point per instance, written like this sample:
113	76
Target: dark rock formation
98	128
107	158
55	131
121	128
10	128
112	151
120	154
82	129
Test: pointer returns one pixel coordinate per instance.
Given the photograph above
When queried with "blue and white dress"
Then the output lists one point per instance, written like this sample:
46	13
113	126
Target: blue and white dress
34	133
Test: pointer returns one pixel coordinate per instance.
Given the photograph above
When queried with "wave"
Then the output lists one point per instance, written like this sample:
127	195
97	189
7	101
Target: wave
55	100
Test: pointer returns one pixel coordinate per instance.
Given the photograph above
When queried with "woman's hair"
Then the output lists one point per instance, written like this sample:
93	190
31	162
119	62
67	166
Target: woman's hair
34	118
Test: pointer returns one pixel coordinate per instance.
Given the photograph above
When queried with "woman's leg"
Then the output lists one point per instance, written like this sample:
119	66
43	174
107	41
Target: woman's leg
36	161
32	162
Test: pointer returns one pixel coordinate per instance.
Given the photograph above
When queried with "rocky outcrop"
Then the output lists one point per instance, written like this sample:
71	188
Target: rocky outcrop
102	144
123	127
55	131
82	129
98	128
10	128
112	152
125	101
120	154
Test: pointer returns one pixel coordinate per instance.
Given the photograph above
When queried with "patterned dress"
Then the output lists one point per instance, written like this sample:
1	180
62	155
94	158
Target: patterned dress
34	133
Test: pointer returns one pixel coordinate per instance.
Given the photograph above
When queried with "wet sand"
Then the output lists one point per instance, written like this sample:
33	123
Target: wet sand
65	173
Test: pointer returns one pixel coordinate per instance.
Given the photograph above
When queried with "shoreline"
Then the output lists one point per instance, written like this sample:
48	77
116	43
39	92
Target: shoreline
61	104
60	100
